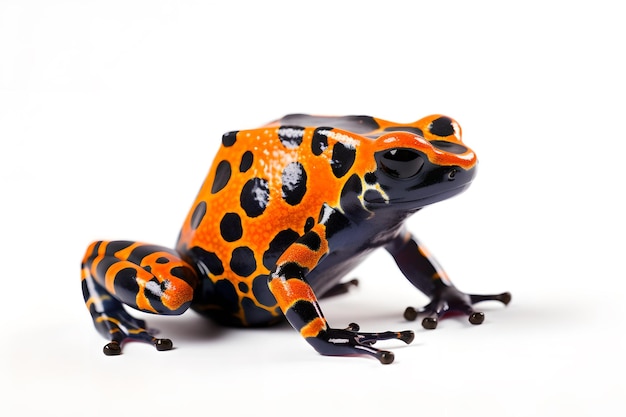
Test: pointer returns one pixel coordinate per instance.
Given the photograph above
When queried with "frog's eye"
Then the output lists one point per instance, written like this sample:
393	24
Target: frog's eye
401	163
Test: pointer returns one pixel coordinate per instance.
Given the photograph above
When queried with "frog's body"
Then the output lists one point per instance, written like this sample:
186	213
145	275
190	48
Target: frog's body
286	210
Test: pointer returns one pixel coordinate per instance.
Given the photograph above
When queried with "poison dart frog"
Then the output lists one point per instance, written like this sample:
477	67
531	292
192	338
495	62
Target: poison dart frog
284	213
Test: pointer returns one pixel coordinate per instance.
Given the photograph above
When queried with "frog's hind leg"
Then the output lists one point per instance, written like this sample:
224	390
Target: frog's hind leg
146	277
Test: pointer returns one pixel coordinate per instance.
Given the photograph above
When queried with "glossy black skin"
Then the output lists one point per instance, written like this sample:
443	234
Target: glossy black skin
386	225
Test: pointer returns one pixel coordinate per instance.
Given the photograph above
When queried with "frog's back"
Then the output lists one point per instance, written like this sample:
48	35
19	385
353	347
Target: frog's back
263	184
270	183
265	189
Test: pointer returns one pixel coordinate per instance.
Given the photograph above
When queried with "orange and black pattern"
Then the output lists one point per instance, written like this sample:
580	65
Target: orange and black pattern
285	211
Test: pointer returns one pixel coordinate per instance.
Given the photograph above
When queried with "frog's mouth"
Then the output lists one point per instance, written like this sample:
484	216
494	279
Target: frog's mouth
427	188
378	200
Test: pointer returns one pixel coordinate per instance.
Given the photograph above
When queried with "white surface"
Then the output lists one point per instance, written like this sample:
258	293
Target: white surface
110	113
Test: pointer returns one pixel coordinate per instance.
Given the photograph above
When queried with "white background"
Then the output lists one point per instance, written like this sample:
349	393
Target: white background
110	113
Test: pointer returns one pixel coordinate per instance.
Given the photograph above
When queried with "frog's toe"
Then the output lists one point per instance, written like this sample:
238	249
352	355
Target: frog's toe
350	341
452	301
431	313
430	323
112	349
163	344
120	328
504	298
477	317
385	357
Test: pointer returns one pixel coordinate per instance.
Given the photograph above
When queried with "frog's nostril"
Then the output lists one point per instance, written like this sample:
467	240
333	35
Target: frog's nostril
450	147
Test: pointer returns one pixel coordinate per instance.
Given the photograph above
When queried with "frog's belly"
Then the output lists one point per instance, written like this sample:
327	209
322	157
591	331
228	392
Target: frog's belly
332	269
231	301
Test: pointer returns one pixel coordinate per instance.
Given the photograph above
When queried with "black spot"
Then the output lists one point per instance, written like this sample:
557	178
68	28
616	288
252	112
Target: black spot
373	196
92	255
147	268
125	284
96	248
198	215
291	136
222	175
278	245
141	251
334	223
352	186
227	294
310	222
243	287
162	260
255	196
294	183
246	161
292	270
451	147
410	129
229	138
311	240
182	273
350	202
114	246
370	178
207	261
155	297
261	290
342	160
104	264
441	127
301	313
306	310
320	140
242	261
230	227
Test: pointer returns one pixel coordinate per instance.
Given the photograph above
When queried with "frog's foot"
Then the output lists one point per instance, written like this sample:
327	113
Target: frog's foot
449	300
349	341
114	347
121	327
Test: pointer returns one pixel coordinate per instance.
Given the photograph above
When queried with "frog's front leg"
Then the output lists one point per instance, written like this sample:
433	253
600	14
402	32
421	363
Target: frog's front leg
300	306
149	278
425	273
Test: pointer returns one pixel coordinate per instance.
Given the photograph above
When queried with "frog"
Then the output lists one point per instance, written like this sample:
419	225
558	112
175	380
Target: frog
285	212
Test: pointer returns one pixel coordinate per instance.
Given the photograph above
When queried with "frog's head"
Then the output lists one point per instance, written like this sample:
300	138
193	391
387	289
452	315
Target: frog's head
414	170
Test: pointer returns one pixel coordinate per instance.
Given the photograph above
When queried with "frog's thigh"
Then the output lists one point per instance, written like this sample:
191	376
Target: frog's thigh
147	277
